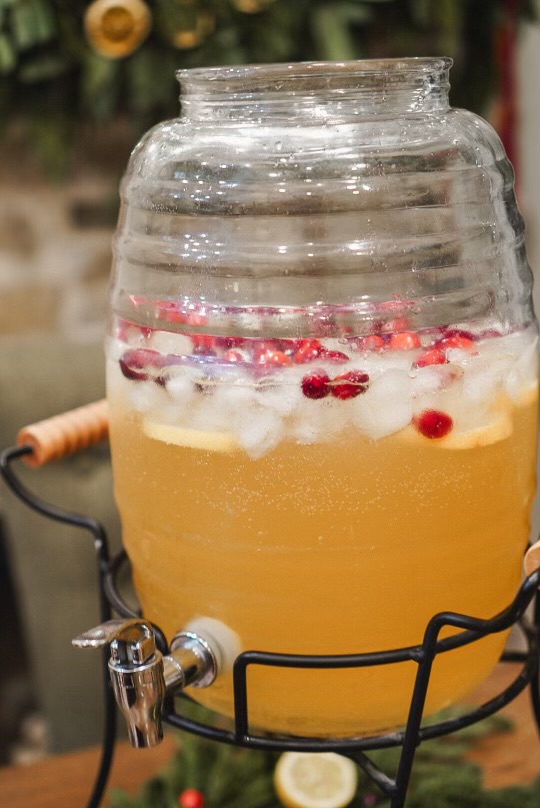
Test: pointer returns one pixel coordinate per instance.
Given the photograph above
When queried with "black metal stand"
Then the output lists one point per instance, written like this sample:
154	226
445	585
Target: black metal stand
470	629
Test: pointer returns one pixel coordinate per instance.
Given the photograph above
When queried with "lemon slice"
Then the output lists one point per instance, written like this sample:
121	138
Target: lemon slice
315	780
190	438
499	427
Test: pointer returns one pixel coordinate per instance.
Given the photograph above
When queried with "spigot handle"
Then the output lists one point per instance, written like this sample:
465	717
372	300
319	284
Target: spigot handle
141	677
136	670
101	635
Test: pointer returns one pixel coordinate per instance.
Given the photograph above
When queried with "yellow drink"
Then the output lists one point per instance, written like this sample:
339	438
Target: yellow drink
338	543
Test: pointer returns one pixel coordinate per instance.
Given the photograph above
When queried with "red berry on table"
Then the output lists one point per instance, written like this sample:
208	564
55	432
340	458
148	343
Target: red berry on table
349	385
433	423
433	356
316	385
404	341
191	798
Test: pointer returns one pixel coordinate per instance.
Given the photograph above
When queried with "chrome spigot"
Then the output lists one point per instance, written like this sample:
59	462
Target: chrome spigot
141	676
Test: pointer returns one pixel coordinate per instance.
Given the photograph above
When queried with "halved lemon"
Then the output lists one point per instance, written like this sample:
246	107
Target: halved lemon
315	780
499	427
190	438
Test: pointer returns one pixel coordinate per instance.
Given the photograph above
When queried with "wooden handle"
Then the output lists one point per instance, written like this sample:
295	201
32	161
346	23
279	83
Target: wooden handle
65	434
532	559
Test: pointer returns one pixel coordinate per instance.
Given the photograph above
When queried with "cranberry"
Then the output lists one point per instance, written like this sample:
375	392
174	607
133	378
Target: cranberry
336	357
191	798
448	333
433	356
203	344
457	341
233	357
271	357
350	385
316	385
433	423
371	343
228	343
135	362
309	350
404	341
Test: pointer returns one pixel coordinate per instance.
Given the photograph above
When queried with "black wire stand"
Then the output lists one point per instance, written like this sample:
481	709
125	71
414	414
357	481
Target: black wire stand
414	733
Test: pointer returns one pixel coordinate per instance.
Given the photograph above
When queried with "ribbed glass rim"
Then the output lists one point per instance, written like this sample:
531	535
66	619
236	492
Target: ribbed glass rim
407	66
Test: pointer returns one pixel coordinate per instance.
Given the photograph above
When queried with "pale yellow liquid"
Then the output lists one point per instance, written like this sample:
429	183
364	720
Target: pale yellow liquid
342	547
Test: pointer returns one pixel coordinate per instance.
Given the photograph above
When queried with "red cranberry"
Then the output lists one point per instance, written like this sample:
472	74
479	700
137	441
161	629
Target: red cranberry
233	357
271	357
433	356
336	357
316	385
309	350
448	333
203	344
135	362
404	341
350	385
457	341
371	343
433	423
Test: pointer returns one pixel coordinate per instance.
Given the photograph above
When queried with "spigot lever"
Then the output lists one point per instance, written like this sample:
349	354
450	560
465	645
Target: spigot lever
141	676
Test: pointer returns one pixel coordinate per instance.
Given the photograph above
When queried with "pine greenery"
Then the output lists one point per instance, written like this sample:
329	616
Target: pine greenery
52	78
229	777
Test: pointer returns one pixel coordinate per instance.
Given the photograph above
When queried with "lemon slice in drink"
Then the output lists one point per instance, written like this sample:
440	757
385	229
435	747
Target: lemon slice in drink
190	438
499	427
315	780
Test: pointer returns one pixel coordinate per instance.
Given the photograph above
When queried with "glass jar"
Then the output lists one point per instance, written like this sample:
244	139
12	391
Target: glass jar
322	379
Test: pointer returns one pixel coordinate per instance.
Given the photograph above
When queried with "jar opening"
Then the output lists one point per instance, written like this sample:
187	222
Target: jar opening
358	87
357	69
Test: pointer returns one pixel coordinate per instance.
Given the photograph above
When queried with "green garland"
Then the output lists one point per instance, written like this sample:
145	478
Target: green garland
227	777
51	76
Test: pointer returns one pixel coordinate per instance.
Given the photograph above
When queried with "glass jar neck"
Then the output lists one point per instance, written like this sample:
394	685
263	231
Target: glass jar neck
323	91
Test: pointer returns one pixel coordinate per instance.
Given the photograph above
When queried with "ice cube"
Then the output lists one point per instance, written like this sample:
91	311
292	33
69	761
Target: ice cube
180	387
282	399
148	397
259	431
524	372
167	342
386	407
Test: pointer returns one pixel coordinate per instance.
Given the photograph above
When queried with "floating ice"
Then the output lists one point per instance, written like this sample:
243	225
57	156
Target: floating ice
168	342
282	399
259	431
386	407
180	387
524	371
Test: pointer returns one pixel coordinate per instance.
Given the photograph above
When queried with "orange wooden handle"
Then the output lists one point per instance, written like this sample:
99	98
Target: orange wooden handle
65	434
532	559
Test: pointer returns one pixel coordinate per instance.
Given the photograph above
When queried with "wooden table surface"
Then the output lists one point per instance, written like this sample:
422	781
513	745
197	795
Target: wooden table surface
66	780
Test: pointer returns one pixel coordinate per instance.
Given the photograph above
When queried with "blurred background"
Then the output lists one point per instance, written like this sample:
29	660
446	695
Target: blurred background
79	83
